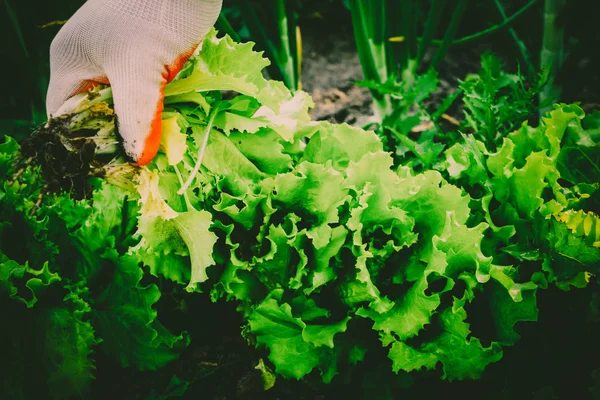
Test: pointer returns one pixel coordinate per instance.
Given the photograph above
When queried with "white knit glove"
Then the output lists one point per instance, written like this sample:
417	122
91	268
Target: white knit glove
137	46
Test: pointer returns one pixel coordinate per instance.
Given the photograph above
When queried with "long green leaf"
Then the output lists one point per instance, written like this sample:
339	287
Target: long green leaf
281	46
552	53
431	25
450	32
368	20
492	29
520	44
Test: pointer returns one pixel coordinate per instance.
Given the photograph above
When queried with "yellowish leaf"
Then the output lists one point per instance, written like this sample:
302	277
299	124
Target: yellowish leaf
173	141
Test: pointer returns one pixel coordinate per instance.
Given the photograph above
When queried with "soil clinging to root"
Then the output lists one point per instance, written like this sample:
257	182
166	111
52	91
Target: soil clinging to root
65	152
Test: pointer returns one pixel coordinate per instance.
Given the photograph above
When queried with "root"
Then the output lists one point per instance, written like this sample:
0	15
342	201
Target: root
65	151
39	201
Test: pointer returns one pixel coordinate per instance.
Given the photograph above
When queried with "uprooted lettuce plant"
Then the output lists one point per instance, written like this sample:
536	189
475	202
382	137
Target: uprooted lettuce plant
329	251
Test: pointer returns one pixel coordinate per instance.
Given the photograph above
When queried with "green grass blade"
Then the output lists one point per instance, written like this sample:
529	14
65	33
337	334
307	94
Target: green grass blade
368	20
407	21
492	29
298	52
552	53
520	44
279	43
287	40
394	49
431	26
450	32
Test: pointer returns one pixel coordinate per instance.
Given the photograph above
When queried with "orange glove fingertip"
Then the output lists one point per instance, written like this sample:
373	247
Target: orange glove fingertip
152	142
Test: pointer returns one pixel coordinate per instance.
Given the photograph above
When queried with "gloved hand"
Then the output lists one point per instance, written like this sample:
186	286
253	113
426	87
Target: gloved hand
137	46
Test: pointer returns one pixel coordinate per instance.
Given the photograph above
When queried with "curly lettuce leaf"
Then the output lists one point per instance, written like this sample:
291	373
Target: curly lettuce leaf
294	346
127	322
35	281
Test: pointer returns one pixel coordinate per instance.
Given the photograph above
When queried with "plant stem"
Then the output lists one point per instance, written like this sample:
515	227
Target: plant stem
299	57
552	53
507	22
450	32
408	20
368	20
186	198
282	50
257	30
520	44
394	50
286	59
431	25
201	151
412	38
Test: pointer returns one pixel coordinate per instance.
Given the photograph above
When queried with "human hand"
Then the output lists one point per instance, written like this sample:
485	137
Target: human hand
136	46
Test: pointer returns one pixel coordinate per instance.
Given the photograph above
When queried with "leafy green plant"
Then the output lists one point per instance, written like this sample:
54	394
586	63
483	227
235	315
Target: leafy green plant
273	25
390	48
402	85
412	117
494	102
497	102
331	254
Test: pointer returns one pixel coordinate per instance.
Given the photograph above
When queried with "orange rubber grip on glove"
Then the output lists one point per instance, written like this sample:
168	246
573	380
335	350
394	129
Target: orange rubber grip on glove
153	140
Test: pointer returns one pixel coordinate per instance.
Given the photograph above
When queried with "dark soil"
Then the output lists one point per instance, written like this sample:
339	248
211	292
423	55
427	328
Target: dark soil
66	157
329	70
